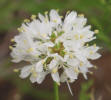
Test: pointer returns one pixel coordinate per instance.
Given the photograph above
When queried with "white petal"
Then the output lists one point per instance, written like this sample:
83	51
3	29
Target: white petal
39	66
63	77
54	17
94	56
81	56
70	73
41	77
53	64
41	17
55	77
32	79
72	62
84	71
70	17
92	48
49	44
25	71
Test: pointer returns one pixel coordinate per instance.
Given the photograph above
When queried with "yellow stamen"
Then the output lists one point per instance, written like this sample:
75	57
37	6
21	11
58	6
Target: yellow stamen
44	35
57	10
74	24
55	21
34	74
76	70
26	20
83	43
71	56
58	83
95	67
76	36
94	45
10	47
46	20
25	41
91	52
36	55
55	57
32	69
81	15
91	73
42	61
96	31
46	12
33	17
68	12
21	29
30	50
61	16
81	36
16	70
54	70
69	80
87	44
81	63
12	40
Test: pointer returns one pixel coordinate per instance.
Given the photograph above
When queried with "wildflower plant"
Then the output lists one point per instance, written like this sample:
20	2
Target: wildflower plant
55	45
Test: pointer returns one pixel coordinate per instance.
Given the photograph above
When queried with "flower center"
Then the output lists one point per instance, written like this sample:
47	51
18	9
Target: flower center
58	47
55	35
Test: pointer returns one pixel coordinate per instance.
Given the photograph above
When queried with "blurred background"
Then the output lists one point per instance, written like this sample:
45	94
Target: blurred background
98	87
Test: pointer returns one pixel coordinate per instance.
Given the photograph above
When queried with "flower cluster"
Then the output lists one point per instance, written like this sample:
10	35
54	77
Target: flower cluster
55	46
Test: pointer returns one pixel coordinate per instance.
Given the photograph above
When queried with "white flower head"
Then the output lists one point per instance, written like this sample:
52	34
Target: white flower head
55	46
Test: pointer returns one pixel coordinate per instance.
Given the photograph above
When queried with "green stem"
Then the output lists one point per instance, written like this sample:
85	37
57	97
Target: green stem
56	91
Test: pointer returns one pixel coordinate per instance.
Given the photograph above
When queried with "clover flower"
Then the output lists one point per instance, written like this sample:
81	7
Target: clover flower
56	46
